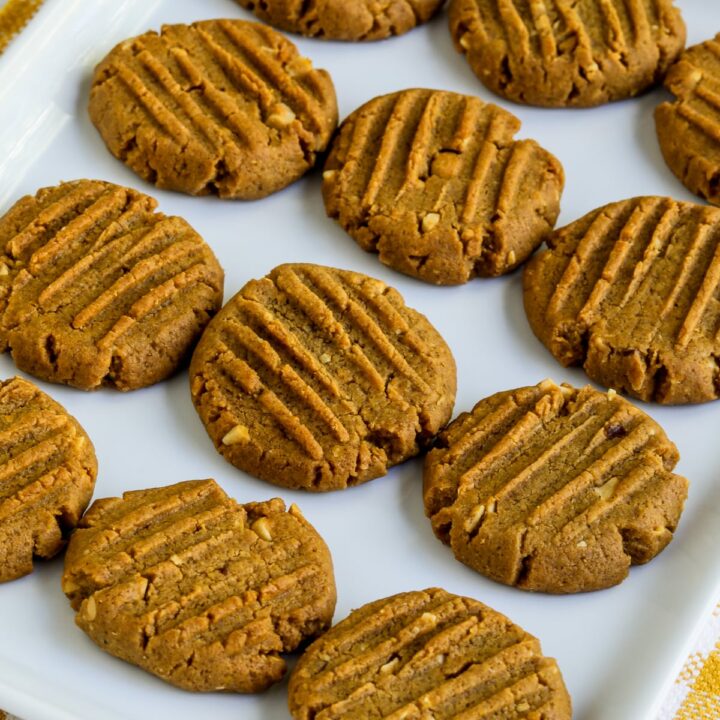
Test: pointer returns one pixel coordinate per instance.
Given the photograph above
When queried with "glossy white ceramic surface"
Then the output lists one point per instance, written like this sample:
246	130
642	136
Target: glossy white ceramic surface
617	648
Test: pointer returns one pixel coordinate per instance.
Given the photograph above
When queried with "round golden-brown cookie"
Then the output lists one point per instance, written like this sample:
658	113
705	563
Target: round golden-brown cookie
427	654
219	106
567	54
96	288
47	474
688	129
342	20
319	378
201	591
435	184
554	489
628	292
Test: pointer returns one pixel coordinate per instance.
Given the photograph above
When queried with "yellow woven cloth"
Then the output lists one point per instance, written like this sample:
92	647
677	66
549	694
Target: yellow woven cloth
695	694
14	15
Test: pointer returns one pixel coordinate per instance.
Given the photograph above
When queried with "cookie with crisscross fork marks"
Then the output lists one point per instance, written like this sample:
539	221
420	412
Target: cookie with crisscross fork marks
319	378
688	129
630	291
196	588
555	489
567	52
436	184
97	288
342	20
427	654
47	475
219	106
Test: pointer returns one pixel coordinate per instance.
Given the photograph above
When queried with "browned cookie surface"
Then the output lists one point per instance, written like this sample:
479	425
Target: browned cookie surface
689	128
96	288
427	654
434	182
47	474
554	489
319	378
341	20
567	52
219	106
198	589
630	292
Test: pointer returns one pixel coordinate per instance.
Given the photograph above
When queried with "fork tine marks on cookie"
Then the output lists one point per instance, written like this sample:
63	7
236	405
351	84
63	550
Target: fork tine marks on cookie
431	181
561	53
363	21
229	97
92	268
429	651
626	292
197	589
562	497
47	474
337	378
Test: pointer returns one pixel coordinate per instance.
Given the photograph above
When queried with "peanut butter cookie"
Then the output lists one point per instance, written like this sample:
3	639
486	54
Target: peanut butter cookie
47	474
568	53
554	489
318	378
689	128
96	288
199	590
341	20
628	292
219	106
434	183
427	654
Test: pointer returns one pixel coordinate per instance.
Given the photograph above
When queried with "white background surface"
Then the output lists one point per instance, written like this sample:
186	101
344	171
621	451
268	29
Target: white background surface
617	648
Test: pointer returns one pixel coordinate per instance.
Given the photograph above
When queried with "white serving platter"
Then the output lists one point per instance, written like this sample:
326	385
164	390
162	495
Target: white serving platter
618	649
